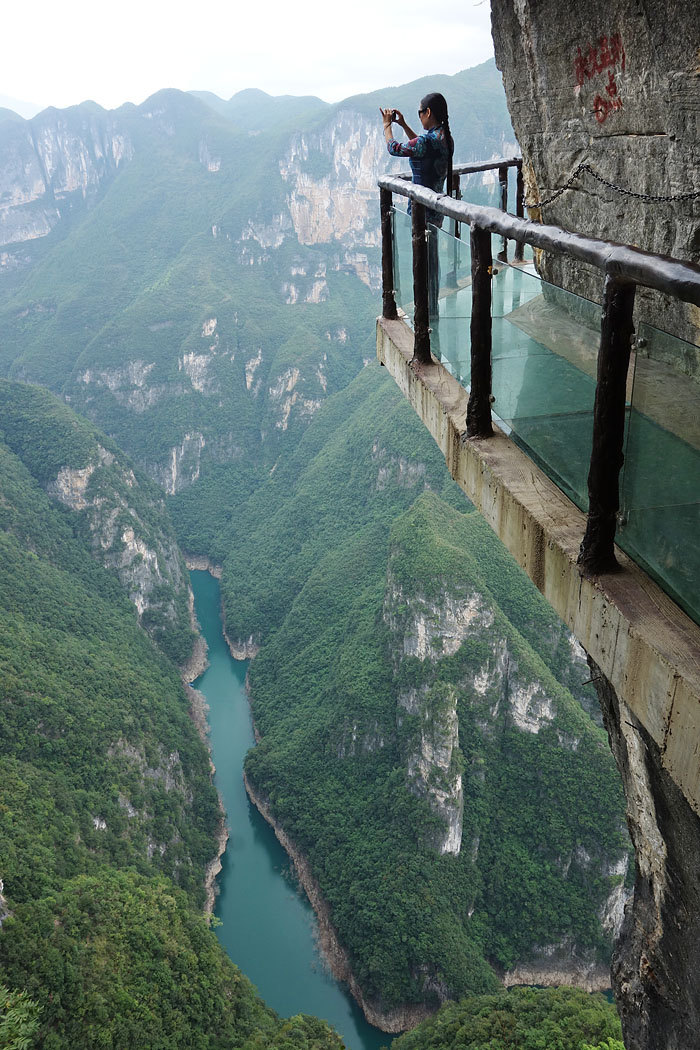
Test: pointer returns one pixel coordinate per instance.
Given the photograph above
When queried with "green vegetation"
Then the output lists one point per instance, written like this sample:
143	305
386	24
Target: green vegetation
119	961
108	810
355	546
19	1020
51	441
94	719
175	308
522	1019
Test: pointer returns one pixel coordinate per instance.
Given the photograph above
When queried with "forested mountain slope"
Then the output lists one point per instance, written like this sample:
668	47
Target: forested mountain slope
199	286
458	807
108	810
205	292
525	1019
119	513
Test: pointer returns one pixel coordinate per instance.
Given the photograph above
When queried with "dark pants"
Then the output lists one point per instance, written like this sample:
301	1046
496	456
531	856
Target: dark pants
433	272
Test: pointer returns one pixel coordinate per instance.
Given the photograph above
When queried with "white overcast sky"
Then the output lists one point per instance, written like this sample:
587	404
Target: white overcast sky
59	54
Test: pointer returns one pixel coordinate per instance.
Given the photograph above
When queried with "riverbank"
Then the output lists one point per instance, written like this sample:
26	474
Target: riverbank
199	711
200	563
548	970
241	649
554	973
394	1020
199	714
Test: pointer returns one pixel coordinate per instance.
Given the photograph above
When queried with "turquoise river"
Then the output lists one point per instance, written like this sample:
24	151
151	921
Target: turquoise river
268	926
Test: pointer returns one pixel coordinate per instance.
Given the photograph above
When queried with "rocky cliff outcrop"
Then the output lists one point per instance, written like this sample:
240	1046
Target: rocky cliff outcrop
52	162
129	533
614	86
657	956
497	683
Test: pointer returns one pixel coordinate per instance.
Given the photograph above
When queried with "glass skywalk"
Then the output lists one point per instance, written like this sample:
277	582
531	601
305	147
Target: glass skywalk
544	360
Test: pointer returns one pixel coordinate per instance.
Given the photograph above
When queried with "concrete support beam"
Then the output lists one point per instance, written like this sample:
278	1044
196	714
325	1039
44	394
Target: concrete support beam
644	644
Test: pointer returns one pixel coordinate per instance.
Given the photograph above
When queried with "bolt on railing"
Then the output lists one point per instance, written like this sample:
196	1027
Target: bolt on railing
624	268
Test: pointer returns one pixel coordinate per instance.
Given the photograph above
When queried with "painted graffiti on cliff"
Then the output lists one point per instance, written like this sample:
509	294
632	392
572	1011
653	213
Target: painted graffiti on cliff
607	54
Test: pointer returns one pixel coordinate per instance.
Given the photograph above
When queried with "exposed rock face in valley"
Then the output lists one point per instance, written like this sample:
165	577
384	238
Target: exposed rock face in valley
559	965
4	910
338	204
145	557
51	160
500	689
657	957
614	86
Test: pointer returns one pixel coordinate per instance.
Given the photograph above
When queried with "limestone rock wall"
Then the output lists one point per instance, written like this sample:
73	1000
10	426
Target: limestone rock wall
129	533
615	85
51	160
427	721
657	957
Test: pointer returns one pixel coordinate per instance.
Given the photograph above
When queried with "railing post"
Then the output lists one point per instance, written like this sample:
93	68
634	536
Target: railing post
421	330
457	194
479	406
597	552
451	277
503	198
519	209
388	301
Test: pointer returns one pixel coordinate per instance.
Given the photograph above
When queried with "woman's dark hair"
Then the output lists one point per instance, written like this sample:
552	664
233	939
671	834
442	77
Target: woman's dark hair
437	104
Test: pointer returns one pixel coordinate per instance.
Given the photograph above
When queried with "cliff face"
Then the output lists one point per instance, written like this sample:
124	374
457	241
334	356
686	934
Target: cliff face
614	85
500	689
51	163
118	511
657	957
122	537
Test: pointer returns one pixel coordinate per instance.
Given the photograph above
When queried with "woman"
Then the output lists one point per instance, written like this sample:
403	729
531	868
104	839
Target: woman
430	153
430	157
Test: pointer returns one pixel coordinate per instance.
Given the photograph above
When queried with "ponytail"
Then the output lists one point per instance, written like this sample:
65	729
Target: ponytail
437	104
450	151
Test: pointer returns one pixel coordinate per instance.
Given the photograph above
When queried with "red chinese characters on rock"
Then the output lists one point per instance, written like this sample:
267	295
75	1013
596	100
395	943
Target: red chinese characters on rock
609	54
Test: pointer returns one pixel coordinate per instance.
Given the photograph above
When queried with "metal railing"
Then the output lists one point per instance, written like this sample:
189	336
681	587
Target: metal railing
502	166
623	267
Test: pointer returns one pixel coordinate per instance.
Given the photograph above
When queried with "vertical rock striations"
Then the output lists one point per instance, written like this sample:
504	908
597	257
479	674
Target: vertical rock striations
614	86
657	957
52	162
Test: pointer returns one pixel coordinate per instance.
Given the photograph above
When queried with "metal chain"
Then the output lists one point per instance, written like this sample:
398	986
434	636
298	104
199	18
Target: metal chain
617	189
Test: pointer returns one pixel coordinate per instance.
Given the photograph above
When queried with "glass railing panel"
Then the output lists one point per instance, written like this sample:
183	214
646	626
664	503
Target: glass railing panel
449	264
403	261
660	483
544	366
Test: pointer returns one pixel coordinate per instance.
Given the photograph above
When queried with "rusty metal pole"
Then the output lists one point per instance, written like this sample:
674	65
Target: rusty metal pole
388	301
479	407
597	552
520	209
503	205
421	329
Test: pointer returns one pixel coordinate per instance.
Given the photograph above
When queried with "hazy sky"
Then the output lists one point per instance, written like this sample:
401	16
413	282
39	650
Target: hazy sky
61	54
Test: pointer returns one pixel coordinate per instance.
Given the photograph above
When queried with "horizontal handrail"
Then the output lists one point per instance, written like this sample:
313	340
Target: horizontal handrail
486	165
623	267
673	276
470	169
